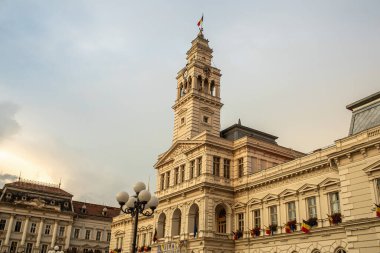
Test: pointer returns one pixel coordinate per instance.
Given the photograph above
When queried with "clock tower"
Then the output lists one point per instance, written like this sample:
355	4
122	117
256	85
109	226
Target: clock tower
197	106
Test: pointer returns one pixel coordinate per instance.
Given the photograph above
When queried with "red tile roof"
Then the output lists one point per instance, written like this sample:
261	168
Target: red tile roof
38	187
95	210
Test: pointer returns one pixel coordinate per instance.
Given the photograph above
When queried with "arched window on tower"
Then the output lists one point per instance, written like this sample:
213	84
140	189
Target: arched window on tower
161	224
176	222
205	86
189	82
221	219
212	88
181	91
199	83
193	220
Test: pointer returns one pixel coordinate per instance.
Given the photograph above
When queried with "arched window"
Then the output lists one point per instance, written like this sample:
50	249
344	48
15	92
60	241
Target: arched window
176	222
205	86
221	219
212	88
340	250
181	90
193	221
189	82
161	225
199	83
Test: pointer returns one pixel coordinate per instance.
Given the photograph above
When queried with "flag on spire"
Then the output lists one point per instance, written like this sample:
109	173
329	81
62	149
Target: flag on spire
200	23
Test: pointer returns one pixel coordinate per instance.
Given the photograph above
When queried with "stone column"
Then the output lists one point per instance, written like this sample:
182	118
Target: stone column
68	236
54	237
23	238
40	227
9	229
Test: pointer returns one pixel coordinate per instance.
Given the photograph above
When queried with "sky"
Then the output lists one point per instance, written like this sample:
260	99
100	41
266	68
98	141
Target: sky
86	87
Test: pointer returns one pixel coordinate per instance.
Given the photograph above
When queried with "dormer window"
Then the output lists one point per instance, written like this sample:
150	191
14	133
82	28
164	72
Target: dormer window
52	202
66	204
23	198
83	209
104	212
8	196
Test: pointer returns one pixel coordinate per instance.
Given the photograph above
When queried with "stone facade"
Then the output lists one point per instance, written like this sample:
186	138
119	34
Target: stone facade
218	188
35	217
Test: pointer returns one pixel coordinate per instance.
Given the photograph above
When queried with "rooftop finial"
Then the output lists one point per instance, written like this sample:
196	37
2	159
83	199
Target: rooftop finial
239	122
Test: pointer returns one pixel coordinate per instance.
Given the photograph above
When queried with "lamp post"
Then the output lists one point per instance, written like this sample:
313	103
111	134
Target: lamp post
137	204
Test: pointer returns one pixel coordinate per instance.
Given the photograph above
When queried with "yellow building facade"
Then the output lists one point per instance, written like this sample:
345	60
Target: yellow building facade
237	190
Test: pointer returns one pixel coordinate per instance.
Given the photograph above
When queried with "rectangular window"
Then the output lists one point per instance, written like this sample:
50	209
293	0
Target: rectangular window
378	190
18	226
216	166
256	218
240	167
334	202
144	239
311	207
162	182
108	236
176	176
47	229
76	233
291	211
167	179
241	222
61	231
226	168
98	235
29	247
88	233
13	248
33	227
192	167
44	248
2	224
199	163
273	215
182	173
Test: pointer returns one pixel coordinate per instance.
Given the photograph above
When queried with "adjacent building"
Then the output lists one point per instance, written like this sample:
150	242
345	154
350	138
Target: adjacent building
35	217
238	190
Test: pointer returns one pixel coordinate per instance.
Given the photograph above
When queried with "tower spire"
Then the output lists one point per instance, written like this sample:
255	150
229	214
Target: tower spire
197	107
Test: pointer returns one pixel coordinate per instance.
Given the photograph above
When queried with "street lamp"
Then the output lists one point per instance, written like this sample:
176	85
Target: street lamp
137	204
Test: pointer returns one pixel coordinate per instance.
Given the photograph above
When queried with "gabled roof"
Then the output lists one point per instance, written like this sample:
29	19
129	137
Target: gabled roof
38	187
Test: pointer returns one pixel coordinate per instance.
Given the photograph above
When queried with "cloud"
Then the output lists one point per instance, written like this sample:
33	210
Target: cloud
7	178
8	125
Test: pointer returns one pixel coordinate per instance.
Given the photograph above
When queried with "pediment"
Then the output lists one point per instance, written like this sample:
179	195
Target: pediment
119	232
287	192
307	187
372	168
238	205
270	197
329	182
206	109
183	110
254	201
178	148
